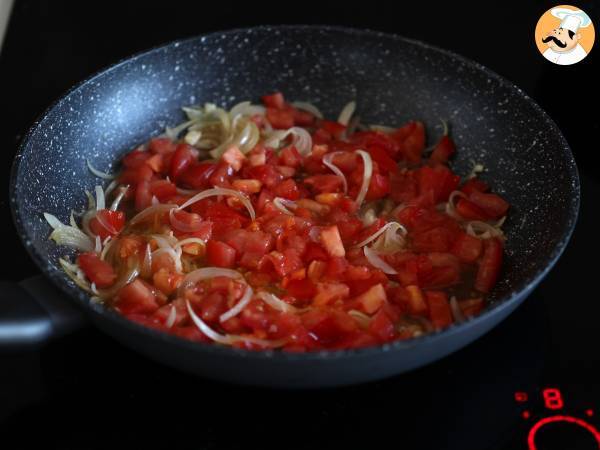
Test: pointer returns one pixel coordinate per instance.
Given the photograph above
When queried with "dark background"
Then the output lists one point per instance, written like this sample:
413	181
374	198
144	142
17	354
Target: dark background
86	391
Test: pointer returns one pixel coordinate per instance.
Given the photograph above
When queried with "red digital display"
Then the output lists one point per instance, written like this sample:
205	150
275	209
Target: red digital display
553	398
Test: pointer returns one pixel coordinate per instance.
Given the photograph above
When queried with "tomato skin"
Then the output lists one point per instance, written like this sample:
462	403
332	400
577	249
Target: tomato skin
442	152
474	184
379	187
275	100
303	118
287	189
163	189
143	196
411	141
489	266
467	248
381	157
161	146
335	129
196	175
96	270
280	119
220	254
266	174
107	223
324	183
492	205
469	210
382	327
302	289
182	158
290	157
135	159
439	309
136	298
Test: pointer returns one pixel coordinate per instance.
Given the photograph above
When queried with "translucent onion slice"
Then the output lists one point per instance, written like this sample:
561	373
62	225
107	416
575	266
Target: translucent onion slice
228	339
282	204
164	240
390	227
129	276
301	139
157	209
451	208
347	112
221	191
173	133
456	311
276	303
171	318
74	273
376	261
98	173
239	306
146	269
362	319
189	192
100	203
117	201
98	246
309	107
111	186
204	274
192	240
175	255
72	220
91	200
246	109
327	160
67	235
368	172
382	128
483	230
182	226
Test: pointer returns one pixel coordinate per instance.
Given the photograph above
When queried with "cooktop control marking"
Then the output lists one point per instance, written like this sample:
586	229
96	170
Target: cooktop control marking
555	419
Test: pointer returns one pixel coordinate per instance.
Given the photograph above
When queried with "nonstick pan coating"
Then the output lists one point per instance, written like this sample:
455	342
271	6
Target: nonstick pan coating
393	80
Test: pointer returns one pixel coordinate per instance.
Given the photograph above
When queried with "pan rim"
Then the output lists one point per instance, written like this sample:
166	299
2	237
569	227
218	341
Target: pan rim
82	299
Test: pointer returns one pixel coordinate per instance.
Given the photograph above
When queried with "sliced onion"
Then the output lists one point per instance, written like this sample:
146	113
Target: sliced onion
98	173
368	172
182	226
192	240
301	139
221	191
382	128
164	240
276	303
100	203
246	109
85	222
483	230
192	137
91	200
72	220
98	246
75	274
327	160
239	306
172	316
108	243
113	184
175	255
309	107
228	339
362	319
189	192
117	201
68	235
157	209
121	282
204	274
376	261
456	311
282	204
390	227
451	208
146	269
347	112
173	133
369	217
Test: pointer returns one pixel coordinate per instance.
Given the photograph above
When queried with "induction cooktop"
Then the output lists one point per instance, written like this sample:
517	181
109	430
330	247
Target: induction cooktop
531	383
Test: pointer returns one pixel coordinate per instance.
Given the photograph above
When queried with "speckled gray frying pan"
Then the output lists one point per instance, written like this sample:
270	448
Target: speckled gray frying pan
392	79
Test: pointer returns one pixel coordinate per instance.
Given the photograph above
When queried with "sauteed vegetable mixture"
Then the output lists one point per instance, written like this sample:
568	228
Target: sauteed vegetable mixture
268	226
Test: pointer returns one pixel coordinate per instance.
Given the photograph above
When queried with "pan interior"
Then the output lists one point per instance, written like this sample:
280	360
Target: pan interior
393	80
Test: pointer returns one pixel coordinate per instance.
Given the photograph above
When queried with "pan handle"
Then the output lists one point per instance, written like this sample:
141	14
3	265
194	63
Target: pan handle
32	312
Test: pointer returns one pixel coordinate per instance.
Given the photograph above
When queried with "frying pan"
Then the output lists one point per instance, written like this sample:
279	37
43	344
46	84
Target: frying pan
393	80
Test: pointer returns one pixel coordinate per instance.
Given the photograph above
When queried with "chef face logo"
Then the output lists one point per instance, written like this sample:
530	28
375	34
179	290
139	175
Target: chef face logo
564	35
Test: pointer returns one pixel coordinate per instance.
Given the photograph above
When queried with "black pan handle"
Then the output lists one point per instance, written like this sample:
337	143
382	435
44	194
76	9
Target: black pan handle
32	312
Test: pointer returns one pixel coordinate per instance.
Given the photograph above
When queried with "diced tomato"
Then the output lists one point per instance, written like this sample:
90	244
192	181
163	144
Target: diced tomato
281	119
303	118
442	152
136	298
467	248
492	205
287	189
302	289
416	301
324	183
143	196
107	223
221	175
166	281
247	186
474	184
266	174
471	307
489	266
469	210
196	175
234	157
332	241
135	159
335	129
163	189
329	292
186	222
182	158
379	187
382	326
161	146
96	270
274	100
440	180
439	309
437	239
373	299
411	141
381	157
290	157
220	254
